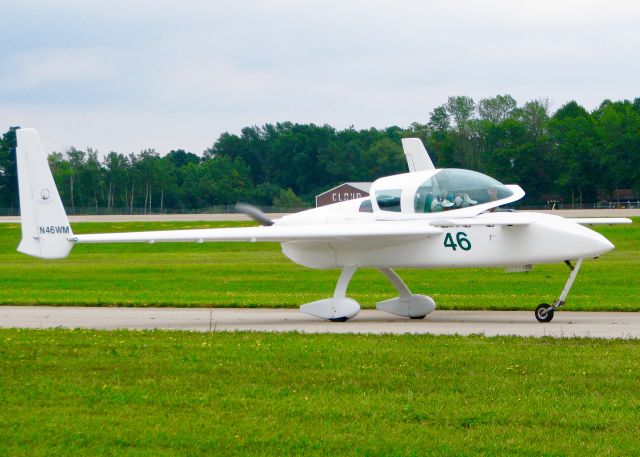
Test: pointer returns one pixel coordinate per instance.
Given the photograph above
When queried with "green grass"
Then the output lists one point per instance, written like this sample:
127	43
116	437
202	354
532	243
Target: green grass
258	275
81	392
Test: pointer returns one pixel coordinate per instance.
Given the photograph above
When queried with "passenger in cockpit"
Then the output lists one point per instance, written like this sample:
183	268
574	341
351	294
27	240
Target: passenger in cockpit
442	203
463	200
493	196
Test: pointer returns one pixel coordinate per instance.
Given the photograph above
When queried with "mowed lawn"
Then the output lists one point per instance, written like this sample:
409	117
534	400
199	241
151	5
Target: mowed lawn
81	392
258	275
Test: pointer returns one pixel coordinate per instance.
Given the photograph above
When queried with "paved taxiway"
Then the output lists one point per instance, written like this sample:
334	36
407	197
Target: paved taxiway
489	323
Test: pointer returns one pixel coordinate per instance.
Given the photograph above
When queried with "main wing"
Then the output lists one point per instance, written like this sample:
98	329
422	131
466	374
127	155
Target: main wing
278	233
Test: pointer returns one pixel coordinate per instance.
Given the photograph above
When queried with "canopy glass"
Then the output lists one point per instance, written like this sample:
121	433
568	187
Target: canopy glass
453	188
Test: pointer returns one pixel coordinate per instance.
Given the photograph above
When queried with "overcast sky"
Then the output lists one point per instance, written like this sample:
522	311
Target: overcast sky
126	75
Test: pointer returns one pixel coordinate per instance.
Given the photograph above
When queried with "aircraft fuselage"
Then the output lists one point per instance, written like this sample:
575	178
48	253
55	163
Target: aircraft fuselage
547	239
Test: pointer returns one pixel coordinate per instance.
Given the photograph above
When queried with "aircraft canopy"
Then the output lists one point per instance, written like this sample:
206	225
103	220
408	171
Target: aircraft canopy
440	190
454	188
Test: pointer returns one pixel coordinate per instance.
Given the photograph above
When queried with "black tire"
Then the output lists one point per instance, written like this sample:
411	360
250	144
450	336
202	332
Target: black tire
417	317
339	319
544	317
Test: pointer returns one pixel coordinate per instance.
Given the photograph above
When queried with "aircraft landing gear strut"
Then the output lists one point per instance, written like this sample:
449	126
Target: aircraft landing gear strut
339	308
407	304
544	312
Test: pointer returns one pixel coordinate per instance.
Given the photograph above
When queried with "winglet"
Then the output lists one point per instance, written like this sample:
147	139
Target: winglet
417	157
45	227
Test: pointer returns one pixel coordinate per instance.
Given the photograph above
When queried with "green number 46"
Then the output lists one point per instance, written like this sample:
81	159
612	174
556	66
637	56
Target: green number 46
462	241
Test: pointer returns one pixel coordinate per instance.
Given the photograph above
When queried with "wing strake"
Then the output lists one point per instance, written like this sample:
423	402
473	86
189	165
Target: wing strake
491	219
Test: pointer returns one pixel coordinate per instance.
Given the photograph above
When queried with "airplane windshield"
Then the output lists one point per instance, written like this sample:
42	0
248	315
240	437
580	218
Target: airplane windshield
453	188
389	200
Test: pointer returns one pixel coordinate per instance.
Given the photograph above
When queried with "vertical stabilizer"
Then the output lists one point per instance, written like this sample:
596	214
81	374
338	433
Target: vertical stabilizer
45	227
417	157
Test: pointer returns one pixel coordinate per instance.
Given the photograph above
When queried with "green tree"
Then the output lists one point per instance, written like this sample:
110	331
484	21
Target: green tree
496	109
60	169
441	141
341	158
572	131
535	116
513	155
179	158
384	157
249	146
115	168
439	119
288	199
464	137
92	180
75	159
217	181
152	177
618	142
8	170
461	109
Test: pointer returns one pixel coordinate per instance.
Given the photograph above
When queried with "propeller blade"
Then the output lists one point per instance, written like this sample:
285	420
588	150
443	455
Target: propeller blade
254	213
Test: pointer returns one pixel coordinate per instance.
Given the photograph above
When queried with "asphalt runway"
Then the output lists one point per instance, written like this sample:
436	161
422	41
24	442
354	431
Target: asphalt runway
566	324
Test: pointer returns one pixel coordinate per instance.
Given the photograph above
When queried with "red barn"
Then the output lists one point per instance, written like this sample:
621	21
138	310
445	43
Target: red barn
343	192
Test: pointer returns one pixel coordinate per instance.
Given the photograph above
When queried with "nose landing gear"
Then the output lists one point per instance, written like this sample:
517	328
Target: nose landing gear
544	312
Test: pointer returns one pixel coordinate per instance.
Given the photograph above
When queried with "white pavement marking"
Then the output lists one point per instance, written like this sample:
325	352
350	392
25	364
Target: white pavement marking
488	323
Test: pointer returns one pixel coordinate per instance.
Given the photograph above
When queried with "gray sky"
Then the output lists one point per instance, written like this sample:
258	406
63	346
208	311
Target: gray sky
127	75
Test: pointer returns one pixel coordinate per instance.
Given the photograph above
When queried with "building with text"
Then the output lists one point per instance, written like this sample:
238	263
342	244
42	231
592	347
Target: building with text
343	192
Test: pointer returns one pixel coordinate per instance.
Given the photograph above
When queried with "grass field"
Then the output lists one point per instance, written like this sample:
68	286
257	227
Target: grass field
258	275
83	392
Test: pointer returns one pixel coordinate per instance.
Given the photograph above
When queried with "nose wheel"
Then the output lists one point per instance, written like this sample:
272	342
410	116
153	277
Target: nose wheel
544	312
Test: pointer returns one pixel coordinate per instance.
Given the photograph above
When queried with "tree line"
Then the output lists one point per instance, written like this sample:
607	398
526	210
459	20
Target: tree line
572	155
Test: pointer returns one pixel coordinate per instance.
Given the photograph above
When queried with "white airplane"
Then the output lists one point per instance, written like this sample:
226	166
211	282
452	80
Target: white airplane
427	218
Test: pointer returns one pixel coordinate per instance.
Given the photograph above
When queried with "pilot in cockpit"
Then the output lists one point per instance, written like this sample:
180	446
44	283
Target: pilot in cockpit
493	193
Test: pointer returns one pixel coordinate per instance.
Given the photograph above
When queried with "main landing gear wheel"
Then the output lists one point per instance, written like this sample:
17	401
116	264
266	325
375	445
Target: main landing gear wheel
417	317
544	312
339	319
